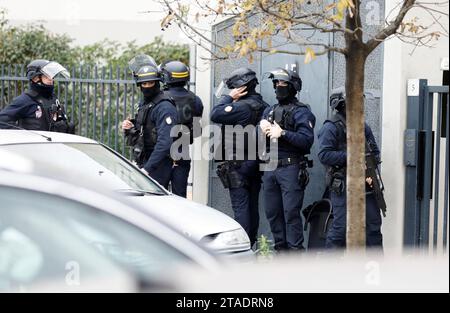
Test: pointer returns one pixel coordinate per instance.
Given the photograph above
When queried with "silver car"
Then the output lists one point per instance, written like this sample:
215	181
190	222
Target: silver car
56	236
104	167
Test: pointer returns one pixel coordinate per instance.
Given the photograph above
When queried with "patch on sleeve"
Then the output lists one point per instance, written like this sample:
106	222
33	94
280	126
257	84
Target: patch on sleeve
38	112
228	109
168	120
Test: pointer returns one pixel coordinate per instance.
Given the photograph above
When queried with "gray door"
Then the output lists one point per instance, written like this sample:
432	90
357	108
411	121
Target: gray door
315	78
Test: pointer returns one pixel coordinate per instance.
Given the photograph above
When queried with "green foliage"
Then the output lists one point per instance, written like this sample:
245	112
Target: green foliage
265	249
98	108
20	45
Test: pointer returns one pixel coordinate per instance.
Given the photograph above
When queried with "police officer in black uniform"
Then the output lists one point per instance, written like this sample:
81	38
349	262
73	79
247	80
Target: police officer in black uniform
38	108
240	173
149	132
333	154
175	76
290	124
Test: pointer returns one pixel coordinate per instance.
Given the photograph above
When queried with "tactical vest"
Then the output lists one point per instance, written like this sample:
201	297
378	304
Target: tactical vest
257	107
148	127
339	122
50	115
185	106
334	173
335	176
284	116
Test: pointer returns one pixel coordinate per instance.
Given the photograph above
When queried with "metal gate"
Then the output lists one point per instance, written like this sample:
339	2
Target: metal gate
427	166
97	100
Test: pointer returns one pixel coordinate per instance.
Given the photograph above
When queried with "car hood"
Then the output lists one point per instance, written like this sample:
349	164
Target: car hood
193	219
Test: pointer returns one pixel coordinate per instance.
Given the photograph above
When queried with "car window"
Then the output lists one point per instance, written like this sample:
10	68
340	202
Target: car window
30	220
30	252
102	166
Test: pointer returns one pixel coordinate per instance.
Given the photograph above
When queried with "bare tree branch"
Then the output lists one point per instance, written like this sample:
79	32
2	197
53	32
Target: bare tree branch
301	20
390	29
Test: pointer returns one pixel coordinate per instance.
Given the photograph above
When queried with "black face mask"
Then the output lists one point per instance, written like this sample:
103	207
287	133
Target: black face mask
251	87
282	93
150	93
43	90
341	109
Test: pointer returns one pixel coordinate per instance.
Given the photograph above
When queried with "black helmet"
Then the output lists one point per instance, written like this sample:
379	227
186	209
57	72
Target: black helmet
147	73
174	72
240	77
337	99
288	76
144	69
45	67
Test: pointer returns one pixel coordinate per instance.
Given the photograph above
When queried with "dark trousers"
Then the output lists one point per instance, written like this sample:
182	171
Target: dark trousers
179	178
163	172
336	236
245	203
283	200
245	198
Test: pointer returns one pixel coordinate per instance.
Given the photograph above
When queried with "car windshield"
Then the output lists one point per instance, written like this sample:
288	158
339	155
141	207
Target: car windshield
94	161
30	252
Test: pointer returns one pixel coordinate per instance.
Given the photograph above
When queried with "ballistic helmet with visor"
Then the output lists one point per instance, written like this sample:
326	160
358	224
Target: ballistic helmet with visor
288	76
51	69
337	98
238	78
144	69
174	72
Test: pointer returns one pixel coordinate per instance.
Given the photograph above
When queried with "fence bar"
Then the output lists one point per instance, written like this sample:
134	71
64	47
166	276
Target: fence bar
2	103
58	84
125	93
428	173
80	109
447	138
109	107
116	119
94	135
9	84
72	113
102	107
15	82
88	101
437	166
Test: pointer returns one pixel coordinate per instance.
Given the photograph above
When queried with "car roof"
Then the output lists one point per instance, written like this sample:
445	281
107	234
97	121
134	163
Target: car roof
23	136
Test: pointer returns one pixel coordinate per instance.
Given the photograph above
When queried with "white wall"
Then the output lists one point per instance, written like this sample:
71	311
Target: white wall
200	175
91	21
399	66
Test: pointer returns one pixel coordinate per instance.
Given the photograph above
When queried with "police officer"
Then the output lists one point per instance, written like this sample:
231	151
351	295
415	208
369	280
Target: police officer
290	124
240	173
333	154
38	108
175	76
149	132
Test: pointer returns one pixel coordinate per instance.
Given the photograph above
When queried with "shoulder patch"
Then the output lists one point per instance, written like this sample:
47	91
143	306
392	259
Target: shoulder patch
228	109
38	112
168	120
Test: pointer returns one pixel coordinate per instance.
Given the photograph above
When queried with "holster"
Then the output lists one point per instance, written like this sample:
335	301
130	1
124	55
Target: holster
63	126
336	180
229	176
303	174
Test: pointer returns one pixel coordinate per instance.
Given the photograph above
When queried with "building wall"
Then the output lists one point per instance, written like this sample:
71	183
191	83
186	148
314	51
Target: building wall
388	69
399	66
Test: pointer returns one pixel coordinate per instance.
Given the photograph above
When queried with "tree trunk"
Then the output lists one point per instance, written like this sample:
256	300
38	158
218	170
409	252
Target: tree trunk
356	204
